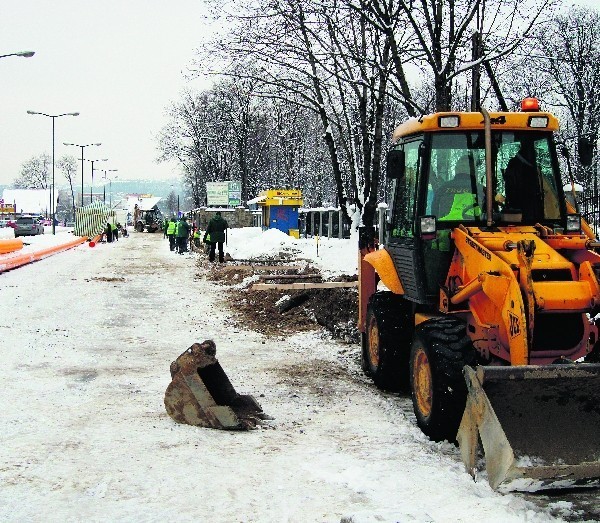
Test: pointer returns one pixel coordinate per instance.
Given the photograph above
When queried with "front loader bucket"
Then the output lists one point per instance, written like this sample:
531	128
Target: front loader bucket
201	394
539	426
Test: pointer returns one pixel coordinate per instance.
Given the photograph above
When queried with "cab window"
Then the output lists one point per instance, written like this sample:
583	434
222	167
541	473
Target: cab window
405	191
456	177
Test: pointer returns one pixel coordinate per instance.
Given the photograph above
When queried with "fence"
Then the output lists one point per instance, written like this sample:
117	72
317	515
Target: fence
589	206
91	219
324	223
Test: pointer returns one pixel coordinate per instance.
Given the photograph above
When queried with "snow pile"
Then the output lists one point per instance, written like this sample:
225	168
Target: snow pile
252	243
332	255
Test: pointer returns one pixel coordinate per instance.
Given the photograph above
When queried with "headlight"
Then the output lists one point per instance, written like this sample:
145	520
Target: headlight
573	223
538	121
427	225
449	121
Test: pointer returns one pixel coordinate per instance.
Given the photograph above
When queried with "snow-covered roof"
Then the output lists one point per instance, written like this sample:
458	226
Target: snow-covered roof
144	204
258	199
29	201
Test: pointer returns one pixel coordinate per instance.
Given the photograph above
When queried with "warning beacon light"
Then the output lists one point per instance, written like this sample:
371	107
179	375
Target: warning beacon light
530	105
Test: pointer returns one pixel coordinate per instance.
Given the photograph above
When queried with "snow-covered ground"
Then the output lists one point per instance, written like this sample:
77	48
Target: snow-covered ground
332	256
88	338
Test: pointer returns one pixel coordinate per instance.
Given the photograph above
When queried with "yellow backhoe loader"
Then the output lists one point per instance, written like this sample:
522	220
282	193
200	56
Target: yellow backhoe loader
491	289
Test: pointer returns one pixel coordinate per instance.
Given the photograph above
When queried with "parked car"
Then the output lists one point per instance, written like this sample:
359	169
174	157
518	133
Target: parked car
28	226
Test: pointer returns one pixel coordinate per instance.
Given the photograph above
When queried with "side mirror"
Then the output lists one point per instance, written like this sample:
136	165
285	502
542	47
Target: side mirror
395	164
586	150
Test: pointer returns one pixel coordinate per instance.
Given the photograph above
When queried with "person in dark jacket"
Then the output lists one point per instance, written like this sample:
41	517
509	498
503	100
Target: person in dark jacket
183	231
216	232
108	232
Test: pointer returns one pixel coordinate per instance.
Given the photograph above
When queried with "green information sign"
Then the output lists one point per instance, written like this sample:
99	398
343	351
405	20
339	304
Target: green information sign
227	194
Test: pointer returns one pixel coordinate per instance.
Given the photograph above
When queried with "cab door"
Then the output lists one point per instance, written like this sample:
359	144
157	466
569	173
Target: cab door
404	246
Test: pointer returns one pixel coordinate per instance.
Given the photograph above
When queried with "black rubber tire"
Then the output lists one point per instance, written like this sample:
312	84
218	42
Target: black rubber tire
364	348
443	346
594	356
390	320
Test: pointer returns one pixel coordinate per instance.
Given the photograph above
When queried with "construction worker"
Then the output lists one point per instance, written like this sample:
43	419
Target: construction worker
215	235
108	233
183	232
115	232
170	232
457	199
196	238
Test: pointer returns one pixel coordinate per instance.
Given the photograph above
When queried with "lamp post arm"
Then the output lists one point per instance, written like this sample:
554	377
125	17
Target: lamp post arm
24	54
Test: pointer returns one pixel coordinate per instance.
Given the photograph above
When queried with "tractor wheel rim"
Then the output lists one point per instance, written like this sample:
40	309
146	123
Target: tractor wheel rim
373	344
423	385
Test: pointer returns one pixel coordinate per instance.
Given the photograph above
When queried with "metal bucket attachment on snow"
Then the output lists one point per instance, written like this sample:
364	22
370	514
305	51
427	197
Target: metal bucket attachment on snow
201	394
539	426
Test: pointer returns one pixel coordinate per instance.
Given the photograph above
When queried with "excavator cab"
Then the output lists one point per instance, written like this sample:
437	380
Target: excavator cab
442	183
491	284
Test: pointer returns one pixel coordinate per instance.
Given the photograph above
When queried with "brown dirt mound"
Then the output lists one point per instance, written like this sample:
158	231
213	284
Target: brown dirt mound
266	311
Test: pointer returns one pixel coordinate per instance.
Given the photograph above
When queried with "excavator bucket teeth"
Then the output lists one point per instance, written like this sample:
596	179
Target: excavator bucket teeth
539	426
201	394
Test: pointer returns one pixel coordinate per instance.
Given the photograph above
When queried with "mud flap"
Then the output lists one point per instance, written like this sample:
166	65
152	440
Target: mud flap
539	426
201	394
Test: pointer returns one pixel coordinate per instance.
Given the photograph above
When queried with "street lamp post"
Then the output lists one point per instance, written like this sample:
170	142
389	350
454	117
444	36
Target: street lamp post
54	117
82	147
92	184
110	184
24	54
105	177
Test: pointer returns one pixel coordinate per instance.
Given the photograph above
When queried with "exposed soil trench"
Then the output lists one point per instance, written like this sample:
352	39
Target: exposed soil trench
277	312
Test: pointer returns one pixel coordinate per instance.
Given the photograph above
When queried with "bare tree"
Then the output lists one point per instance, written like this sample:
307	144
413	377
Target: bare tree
197	139
569	54
34	173
172	203
327	59
68	166
452	38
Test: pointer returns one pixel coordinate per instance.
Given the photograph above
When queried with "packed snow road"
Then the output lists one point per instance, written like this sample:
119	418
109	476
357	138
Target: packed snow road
88	338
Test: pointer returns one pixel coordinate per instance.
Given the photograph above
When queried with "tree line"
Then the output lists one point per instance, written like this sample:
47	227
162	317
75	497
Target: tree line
307	93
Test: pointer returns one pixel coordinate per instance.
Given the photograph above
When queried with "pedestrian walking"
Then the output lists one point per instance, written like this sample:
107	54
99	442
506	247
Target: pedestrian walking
215	236
115	232
171	229
183	231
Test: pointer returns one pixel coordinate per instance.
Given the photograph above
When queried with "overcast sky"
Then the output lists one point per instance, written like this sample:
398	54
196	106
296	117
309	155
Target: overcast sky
117	62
